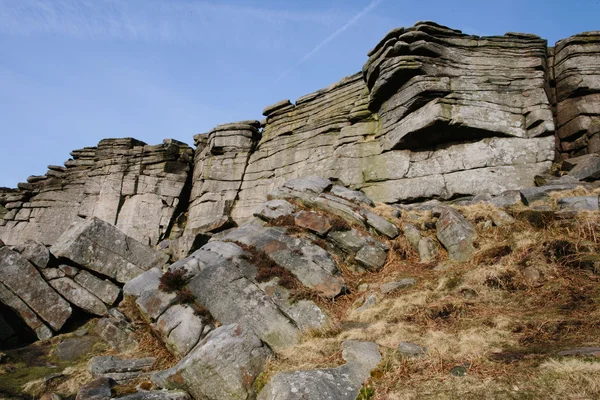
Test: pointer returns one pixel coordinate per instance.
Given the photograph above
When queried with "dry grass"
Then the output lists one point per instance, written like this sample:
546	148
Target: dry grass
525	296
149	342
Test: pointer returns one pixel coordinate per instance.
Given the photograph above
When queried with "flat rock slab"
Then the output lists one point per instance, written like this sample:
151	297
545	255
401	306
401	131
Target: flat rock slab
222	367
411	350
157	395
98	389
313	221
274	209
581	351
120	369
583	203
104	289
233	298
116	331
98	246
587	169
37	253
22	279
456	234
393	286
312	184
351	195
79	296
25	313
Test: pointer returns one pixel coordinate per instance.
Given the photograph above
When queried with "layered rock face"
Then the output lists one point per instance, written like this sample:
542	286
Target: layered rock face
435	114
576	62
124	182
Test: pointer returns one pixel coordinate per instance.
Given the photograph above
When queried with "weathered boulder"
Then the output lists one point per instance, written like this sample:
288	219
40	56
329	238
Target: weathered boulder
98	246
104	289
98	389
587	168
223	366
231	297
589	203
157	395
456	234
117	331
341	383
119	369
313	221
28	316
367	251
311	264
22	279
274	209
351	195
181	328
78	296
36	253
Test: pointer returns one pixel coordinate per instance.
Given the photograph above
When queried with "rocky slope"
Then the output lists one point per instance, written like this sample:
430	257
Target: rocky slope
337	249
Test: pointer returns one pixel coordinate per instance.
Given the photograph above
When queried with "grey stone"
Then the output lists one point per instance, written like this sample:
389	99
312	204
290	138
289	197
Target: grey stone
157	395
380	224
313	221
100	247
312	184
22	279
275	209
119	369
98	389
117	331
103	289
351	195
78	296
587	169
507	199
37	254
312	265
581	351
412	234
75	348
153	302
533	194
589	203
369	302
373	258
223	366
428	249
181	328
456	234
25	313
411	350
324	384
401	284
137	285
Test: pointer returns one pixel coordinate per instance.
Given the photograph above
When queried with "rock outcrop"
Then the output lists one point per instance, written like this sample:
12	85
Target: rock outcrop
124	182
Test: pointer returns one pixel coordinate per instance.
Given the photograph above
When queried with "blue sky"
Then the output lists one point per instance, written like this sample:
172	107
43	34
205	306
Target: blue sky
75	71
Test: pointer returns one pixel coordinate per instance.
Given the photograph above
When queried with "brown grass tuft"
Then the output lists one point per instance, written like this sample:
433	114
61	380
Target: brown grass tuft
269	269
172	281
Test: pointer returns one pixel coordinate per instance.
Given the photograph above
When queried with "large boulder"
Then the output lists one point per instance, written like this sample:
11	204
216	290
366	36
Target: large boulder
99	246
23	280
341	383
222	367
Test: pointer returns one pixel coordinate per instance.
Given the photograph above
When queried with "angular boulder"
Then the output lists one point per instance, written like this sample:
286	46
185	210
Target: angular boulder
23	280
222	367
456	234
78	296
341	383
98	246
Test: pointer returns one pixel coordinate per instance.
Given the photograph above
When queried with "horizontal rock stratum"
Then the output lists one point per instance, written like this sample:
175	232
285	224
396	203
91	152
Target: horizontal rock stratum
434	113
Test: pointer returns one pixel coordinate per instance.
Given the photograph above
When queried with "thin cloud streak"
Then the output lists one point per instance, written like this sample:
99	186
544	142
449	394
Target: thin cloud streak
335	34
177	20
